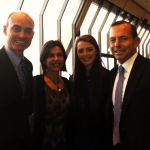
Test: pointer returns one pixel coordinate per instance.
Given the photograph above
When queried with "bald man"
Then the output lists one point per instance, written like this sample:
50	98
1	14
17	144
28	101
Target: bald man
15	99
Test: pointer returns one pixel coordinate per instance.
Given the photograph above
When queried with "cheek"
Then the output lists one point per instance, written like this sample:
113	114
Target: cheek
62	59
94	56
29	39
79	56
47	62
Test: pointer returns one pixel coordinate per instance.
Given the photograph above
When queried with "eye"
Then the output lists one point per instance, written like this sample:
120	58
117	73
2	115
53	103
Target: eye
51	55
28	30
80	51
16	29
89	49
112	40
59	55
124	38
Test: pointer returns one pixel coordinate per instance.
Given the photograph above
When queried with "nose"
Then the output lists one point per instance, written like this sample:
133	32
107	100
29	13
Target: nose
117	42
84	52
55	57
22	33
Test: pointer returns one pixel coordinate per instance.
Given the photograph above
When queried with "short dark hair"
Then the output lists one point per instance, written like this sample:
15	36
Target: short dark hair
133	28
45	53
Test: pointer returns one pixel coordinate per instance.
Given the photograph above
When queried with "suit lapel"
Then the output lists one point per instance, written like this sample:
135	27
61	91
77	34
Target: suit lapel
132	83
8	71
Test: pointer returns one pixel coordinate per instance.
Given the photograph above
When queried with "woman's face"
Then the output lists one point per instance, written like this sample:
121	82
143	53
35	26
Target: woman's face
55	61
86	53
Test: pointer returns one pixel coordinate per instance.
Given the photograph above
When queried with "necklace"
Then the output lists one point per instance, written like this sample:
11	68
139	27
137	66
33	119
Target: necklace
53	85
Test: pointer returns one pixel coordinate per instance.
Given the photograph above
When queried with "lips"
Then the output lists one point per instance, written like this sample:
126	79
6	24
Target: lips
57	64
118	51
20	42
86	58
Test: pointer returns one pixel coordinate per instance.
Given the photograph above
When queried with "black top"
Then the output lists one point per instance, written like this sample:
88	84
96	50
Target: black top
87	117
50	114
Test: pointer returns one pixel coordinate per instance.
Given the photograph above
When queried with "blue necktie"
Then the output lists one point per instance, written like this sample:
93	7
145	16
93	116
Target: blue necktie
117	106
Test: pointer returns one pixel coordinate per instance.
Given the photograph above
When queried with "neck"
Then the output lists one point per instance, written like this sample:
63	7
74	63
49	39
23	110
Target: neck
54	77
88	70
54	82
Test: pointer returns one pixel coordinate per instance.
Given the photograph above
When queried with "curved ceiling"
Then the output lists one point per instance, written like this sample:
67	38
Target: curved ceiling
144	4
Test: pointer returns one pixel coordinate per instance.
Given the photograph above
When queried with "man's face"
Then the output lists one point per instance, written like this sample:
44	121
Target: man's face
19	33
122	43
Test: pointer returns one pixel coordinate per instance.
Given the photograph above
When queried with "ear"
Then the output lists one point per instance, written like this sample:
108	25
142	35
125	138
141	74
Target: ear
137	41
5	29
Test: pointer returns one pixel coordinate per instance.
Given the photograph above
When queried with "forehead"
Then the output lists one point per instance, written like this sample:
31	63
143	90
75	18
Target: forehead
20	20
84	43
55	49
120	30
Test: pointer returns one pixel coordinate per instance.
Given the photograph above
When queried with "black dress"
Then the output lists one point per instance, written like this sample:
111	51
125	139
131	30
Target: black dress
87	113
50	116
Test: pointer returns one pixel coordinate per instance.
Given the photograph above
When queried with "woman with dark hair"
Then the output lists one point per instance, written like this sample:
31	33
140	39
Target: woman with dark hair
51	99
89	94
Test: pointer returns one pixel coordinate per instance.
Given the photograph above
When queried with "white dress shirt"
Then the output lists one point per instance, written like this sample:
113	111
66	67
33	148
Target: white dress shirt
127	69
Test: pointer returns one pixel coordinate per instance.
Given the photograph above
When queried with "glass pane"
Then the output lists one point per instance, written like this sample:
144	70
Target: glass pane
104	62
50	19
67	19
104	33
90	14
98	22
119	18
111	63
5	10
33	8
141	32
69	63
147	46
140	46
139	28
142	42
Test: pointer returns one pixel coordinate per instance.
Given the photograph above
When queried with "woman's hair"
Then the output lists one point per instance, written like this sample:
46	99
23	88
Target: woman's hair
79	74
79	67
46	51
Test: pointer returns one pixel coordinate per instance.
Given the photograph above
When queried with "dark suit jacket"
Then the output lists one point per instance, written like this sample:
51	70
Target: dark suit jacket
14	108
135	117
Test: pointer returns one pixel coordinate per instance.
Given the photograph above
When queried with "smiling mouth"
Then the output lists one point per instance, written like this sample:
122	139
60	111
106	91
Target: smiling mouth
19	42
86	58
57	64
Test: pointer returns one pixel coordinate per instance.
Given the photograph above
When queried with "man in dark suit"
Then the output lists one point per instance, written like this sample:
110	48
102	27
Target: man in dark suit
15	100
134	125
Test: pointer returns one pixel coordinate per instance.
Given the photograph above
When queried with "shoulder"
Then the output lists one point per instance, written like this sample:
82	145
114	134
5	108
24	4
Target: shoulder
142	62
38	82
28	62
143	59
66	81
3	54
38	78
104	72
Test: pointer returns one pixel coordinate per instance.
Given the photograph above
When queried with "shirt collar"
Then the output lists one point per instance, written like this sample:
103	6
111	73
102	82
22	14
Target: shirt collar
129	63
13	57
